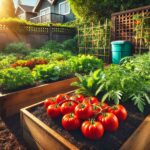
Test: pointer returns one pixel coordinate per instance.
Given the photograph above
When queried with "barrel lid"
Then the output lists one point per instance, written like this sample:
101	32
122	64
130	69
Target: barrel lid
120	42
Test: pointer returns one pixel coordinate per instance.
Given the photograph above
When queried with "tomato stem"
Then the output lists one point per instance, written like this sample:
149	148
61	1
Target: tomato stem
67	101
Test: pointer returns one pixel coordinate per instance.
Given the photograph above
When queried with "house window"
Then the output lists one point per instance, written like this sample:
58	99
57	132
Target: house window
21	16
64	8
45	11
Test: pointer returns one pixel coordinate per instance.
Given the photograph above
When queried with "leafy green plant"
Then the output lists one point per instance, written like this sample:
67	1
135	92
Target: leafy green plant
85	64
18	47
88	84
52	46
6	60
71	44
46	73
128	82
14	79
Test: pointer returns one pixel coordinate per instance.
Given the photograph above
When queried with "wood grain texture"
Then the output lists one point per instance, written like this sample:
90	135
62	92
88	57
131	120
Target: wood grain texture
42	135
12	103
140	139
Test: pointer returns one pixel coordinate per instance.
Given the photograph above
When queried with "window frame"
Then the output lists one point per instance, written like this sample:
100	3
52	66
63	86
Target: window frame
45	9
66	12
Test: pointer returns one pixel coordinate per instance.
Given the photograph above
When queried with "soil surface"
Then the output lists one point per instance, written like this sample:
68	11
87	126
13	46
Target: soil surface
109	141
8	140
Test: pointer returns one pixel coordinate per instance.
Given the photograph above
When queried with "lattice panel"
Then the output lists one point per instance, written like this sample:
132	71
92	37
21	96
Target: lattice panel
123	25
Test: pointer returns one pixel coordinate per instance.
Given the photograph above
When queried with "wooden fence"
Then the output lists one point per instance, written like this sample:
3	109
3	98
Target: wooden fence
37	29
34	36
123	27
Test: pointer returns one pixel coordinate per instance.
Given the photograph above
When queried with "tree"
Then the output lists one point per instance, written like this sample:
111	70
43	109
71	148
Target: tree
96	9
7	9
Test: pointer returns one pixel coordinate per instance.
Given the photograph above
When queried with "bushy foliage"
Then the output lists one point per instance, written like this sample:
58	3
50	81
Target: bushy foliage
52	46
18	47
128	82
6	60
14	79
71	44
29	63
96	9
58	70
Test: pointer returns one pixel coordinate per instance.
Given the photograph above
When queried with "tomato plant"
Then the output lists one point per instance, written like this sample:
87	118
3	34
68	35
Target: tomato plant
49	101
71	122
83	111
119	111
68	107
92	130
109	121
53	111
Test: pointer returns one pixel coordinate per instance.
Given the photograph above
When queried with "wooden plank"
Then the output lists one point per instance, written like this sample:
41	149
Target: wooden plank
11	103
140	139
38	130
131	10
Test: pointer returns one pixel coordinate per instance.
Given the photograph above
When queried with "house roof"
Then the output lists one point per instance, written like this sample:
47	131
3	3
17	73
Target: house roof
26	8
52	2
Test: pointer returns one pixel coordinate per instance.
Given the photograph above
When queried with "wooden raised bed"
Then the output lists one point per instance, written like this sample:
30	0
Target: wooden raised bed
11	103
34	130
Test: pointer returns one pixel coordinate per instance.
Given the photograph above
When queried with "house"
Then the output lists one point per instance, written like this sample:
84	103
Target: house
25	12
55	11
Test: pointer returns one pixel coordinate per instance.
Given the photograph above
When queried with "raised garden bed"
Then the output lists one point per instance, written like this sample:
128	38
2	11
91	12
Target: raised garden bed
11	103
36	125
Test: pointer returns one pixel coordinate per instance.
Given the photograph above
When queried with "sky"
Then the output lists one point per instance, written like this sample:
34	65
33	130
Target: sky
27	2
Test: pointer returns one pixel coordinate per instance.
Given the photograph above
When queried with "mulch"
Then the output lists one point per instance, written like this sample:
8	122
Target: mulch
8	140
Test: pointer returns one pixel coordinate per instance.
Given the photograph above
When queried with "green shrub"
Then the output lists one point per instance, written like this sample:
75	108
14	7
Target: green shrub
52	46
71	44
6	60
128	82
46	73
18	47
85	64
39	54
14	79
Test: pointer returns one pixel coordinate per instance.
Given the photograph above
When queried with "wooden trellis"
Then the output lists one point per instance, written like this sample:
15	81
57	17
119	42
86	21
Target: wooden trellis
95	39
123	27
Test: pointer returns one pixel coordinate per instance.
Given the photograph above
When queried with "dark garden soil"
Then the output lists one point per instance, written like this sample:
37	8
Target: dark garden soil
109	141
10	134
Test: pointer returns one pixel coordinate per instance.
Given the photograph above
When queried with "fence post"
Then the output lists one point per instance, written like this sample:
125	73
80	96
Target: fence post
50	32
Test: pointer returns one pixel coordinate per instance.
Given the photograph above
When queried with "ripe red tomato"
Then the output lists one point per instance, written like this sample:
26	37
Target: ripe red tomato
83	110
79	98
62	97
119	111
53	111
109	121
71	122
49	101
95	109
138	22
102	105
68	107
91	100
92	130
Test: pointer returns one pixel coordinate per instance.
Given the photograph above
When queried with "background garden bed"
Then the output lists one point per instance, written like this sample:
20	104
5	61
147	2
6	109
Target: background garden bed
11	103
35	117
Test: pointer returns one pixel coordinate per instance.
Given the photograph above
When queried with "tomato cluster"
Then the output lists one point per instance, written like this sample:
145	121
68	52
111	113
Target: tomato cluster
87	113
